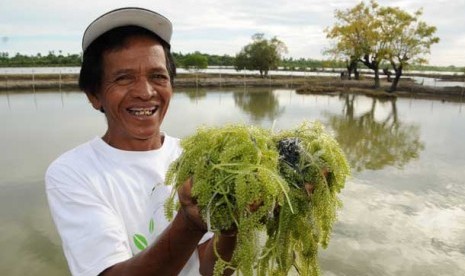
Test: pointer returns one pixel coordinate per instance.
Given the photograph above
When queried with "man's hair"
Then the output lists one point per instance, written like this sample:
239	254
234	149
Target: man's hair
90	77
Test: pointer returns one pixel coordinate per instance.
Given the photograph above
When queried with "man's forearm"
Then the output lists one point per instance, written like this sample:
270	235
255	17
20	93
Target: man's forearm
167	255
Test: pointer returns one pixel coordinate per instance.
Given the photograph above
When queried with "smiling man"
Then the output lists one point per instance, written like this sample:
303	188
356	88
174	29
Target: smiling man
106	196
134	94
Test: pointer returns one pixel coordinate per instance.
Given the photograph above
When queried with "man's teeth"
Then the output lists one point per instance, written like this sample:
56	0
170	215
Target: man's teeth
142	111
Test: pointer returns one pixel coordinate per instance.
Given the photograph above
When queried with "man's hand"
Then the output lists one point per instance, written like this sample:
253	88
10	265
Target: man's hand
189	208
224	243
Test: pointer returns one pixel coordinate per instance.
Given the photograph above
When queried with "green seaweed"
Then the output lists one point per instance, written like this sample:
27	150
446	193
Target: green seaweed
236	167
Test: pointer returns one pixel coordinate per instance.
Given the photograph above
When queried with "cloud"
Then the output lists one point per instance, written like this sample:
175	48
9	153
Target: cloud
220	27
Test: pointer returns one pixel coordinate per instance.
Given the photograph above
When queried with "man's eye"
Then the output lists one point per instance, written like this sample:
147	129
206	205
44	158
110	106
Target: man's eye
159	77
124	79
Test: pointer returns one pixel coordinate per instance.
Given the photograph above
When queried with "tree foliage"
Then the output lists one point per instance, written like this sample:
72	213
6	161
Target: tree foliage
356	38
371	34
261	54
195	61
408	39
349	34
51	59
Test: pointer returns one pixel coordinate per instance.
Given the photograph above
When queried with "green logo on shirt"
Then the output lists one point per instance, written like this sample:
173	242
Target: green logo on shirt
140	240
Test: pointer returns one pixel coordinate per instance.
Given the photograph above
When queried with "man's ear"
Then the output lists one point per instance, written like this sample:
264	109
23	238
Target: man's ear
95	101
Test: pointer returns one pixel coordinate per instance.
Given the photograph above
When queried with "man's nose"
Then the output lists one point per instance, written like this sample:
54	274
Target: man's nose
143	88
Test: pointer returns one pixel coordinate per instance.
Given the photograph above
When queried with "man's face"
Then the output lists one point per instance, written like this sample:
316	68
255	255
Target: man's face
135	94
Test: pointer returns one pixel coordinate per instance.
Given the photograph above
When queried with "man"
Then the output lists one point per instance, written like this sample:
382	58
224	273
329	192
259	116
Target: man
106	196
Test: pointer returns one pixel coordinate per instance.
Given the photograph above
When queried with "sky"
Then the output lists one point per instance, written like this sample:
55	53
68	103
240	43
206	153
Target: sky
218	26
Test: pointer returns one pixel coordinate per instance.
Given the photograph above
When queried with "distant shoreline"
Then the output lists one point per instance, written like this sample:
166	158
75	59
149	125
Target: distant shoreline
302	84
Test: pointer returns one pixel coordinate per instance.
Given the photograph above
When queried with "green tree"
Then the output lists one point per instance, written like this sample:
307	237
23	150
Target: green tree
408	39
371	34
346	34
262	54
195	61
39	60
224	60
357	38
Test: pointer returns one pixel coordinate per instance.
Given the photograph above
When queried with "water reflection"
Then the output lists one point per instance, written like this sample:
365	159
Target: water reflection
26	234
373	144
260	104
194	94
33	246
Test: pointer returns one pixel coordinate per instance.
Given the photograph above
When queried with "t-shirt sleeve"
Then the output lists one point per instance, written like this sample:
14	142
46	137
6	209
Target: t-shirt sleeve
93	237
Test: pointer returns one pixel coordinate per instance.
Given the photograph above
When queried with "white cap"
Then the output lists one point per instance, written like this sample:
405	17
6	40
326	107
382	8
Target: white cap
147	19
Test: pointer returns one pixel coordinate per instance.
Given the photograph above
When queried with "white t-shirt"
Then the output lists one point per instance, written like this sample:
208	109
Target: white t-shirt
107	204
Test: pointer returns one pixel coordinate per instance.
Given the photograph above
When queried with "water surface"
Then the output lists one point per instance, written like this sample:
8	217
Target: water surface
404	207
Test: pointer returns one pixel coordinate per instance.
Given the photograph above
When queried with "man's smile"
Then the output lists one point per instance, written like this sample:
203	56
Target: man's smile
143	111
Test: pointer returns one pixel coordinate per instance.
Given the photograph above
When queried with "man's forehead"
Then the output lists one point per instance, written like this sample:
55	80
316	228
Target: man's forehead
136	54
138	45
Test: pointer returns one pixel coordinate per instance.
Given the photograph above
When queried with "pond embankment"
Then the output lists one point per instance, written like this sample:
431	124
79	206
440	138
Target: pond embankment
406	88
303	84
27	82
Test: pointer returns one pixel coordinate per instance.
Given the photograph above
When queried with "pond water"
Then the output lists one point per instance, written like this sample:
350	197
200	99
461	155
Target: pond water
404	206
435	82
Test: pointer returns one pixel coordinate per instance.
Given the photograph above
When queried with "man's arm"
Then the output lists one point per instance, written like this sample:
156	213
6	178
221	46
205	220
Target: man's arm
170	252
167	255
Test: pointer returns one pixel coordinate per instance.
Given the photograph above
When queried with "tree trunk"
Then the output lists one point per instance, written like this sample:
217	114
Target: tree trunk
349	72
352	68
373	64
377	82
388	74
356	74
395	82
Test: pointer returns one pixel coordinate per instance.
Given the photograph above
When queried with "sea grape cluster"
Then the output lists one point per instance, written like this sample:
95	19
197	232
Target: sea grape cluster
236	166
318	161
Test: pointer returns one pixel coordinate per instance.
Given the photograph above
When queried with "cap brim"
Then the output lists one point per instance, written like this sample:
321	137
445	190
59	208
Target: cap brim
144	18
